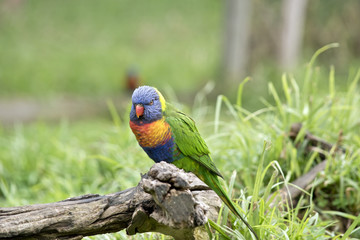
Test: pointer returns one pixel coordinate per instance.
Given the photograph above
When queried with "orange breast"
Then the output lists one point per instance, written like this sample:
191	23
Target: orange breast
152	134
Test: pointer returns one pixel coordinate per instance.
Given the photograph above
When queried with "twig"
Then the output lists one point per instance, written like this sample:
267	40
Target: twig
293	190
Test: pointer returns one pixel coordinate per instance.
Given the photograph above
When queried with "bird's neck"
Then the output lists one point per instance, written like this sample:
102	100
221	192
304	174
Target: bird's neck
151	134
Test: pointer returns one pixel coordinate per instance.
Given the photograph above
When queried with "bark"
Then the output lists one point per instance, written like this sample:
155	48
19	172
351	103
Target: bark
236	42
294	16
167	200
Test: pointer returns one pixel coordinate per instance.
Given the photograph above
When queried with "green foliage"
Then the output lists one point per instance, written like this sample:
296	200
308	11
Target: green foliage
237	143
49	162
43	163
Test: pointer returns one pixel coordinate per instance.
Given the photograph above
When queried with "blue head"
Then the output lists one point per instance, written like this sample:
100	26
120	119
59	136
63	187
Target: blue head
147	105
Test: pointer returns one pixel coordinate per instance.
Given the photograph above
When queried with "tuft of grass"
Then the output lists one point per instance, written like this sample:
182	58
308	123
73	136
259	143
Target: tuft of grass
49	162
238	138
44	163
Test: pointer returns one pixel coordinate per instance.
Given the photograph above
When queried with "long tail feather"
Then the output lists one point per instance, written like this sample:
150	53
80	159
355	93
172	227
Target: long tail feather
213	182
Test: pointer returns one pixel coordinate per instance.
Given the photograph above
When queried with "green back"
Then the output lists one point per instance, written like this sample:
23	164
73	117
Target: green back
188	139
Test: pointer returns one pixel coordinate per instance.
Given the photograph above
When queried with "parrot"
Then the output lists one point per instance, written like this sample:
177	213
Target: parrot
167	134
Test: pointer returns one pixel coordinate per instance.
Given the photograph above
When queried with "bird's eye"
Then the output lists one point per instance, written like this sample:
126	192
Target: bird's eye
152	102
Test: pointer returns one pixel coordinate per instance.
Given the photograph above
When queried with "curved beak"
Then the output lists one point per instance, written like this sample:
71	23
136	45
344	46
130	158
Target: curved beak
139	108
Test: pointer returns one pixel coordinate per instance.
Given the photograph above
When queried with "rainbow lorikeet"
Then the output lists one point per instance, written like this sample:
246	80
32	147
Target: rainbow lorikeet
166	134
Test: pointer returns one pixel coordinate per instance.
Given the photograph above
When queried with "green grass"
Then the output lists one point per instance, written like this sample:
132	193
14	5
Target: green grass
85	47
43	162
238	144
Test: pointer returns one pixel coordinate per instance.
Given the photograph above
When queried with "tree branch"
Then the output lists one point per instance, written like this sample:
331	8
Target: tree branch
166	200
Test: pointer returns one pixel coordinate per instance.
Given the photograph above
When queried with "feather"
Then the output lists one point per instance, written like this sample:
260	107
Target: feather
166	134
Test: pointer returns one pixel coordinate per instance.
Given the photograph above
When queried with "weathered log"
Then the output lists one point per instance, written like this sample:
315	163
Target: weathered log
166	200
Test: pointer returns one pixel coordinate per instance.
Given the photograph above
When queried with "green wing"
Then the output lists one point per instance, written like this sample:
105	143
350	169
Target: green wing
196	152
188	139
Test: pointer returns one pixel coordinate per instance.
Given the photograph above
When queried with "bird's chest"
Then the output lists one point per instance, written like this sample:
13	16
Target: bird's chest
156	140
151	134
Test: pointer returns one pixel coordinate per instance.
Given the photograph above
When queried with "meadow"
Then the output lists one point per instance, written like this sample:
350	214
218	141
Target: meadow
49	49
86	47
49	162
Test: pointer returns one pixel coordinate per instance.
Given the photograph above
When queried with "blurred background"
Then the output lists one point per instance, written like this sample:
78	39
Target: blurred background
68	68
71	56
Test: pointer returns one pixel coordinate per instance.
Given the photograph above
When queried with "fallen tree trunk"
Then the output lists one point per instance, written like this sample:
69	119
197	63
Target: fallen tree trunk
167	200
